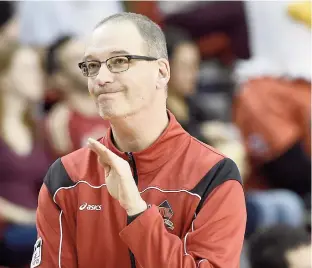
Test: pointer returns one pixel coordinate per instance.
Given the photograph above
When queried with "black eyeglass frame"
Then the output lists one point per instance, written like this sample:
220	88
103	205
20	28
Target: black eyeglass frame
129	57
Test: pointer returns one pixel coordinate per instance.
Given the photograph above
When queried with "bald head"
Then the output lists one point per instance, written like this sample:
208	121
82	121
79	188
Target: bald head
150	32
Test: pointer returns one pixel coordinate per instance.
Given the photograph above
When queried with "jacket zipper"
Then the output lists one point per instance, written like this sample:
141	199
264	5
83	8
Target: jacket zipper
135	176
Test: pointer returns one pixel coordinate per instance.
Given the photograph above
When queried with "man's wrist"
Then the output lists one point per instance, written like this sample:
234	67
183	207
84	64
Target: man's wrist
138	209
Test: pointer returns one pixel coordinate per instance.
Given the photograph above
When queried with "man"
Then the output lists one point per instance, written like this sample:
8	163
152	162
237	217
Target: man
70	121
147	194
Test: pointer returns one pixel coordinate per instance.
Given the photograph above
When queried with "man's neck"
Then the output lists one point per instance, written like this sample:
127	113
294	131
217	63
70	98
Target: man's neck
139	131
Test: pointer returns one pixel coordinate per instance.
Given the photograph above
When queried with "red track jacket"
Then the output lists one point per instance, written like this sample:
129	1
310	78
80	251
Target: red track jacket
197	216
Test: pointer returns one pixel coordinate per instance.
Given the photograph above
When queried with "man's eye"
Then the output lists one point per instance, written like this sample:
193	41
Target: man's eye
92	65
119	61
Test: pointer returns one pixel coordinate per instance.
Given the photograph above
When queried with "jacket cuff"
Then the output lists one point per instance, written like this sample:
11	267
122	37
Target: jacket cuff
133	217
133	232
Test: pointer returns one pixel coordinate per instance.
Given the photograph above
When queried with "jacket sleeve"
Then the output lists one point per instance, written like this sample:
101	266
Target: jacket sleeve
55	246
214	240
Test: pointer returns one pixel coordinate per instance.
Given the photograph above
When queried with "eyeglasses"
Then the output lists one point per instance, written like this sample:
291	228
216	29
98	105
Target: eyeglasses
114	64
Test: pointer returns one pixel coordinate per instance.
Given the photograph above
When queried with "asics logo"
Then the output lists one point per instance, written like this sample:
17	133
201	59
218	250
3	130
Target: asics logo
86	206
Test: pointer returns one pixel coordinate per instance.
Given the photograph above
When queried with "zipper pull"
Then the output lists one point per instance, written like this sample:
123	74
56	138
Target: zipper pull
130	157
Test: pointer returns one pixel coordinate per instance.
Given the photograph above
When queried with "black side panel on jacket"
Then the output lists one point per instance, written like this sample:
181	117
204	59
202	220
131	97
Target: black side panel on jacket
223	171
57	177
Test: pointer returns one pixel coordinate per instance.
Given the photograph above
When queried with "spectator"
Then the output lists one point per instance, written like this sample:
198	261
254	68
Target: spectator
280	247
71	121
273	116
23	162
184	57
272	105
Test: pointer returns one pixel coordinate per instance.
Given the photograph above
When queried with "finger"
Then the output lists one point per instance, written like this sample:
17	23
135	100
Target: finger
106	155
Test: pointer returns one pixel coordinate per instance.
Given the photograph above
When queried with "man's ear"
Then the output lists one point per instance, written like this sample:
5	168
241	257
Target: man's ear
163	73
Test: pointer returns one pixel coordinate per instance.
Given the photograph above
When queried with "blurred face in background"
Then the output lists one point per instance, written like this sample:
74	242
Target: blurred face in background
130	91
184	64
69	75
24	76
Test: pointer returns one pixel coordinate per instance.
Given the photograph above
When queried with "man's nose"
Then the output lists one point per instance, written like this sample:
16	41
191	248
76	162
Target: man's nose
104	76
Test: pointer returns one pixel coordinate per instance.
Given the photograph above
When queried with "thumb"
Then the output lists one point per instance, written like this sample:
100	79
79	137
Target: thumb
106	167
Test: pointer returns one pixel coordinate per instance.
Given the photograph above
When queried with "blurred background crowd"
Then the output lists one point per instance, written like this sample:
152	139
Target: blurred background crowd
240	81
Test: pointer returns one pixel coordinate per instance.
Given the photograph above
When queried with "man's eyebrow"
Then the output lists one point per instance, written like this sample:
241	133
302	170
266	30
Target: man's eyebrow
87	57
118	52
110	54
